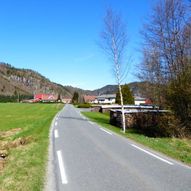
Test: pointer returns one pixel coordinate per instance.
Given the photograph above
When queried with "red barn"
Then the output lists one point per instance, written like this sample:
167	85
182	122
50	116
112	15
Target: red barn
45	97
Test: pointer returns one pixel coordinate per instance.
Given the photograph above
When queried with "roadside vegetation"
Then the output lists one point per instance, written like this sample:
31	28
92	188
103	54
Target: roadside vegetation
84	105
24	130
166	64
176	148
14	98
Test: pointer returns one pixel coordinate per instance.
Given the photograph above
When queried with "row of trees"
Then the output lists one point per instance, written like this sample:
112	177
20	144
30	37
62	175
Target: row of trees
167	58
14	98
166	64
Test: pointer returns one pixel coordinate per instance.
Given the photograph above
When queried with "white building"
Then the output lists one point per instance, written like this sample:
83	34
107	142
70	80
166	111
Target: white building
106	99
139	100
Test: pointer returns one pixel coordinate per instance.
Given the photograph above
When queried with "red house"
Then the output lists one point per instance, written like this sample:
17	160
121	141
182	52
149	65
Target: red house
45	97
89	99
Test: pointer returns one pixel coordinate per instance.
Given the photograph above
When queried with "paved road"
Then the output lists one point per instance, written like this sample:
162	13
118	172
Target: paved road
88	158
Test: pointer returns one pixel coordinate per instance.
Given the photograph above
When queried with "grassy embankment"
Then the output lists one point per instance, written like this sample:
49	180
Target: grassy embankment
24	130
179	149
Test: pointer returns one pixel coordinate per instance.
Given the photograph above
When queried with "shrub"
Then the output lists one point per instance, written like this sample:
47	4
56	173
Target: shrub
158	125
84	105
179	99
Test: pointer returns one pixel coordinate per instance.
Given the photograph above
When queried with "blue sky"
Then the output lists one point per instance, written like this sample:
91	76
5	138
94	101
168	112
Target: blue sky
58	38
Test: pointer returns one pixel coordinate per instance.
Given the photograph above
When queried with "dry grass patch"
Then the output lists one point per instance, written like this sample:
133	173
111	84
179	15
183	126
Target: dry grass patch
7	145
5	134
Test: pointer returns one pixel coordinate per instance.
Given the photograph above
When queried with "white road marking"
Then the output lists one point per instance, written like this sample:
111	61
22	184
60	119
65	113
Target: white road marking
106	131
62	169
56	123
56	133
164	160
82	116
92	123
57	117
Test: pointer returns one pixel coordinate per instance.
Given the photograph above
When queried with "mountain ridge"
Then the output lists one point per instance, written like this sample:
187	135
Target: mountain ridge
15	81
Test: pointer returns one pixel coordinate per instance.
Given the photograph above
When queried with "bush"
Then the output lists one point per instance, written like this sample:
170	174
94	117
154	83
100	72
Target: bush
158	125
179	99
84	105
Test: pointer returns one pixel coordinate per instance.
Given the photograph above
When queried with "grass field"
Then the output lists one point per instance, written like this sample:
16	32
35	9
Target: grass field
24	130
179	149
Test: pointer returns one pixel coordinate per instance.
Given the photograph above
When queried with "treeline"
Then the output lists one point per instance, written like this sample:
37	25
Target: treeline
14	98
166	61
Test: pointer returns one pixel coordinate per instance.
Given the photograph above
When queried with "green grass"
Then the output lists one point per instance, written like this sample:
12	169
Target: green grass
26	164
179	149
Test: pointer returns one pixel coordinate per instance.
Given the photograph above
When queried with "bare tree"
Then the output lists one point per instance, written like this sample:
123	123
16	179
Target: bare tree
167	50
165	34
166	42
151	73
114	43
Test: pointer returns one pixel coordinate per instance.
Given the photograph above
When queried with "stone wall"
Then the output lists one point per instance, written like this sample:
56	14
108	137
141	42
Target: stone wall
132	119
116	119
96	108
107	108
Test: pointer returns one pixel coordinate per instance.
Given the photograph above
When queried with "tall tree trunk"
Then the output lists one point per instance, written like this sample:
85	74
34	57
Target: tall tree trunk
114	42
122	109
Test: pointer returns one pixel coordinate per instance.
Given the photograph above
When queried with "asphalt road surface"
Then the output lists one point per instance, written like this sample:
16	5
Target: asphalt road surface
86	157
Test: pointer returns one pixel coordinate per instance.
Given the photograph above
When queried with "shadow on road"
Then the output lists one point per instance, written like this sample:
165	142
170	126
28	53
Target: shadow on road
74	118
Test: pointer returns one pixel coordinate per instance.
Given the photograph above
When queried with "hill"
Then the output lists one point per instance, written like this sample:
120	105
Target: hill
14	81
108	89
137	89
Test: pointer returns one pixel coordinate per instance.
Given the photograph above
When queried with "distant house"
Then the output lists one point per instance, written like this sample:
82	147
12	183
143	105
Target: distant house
102	99
66	100
45	98
141	101
111	98
89	99
106	99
